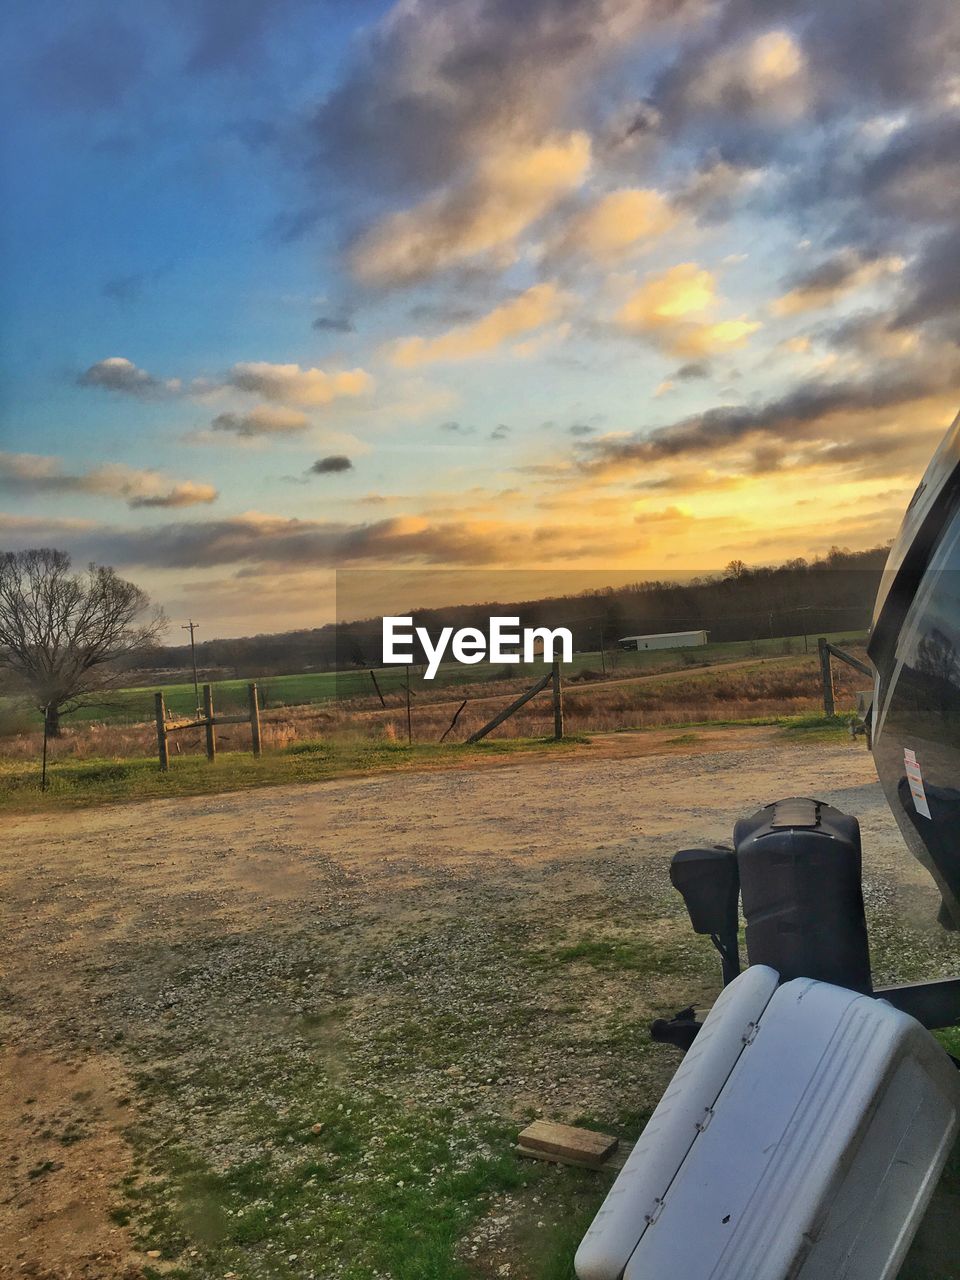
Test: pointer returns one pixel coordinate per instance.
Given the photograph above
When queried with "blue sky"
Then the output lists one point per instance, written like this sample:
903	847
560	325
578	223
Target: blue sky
574	284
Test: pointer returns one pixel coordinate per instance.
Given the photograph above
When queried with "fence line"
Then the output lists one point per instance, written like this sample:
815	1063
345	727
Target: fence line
554	678
208	722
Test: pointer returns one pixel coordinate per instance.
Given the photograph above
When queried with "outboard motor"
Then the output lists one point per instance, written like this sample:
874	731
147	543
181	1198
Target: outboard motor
805	1130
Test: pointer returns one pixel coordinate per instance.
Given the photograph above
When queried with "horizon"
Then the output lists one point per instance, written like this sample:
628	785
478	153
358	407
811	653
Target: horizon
394	603
460	287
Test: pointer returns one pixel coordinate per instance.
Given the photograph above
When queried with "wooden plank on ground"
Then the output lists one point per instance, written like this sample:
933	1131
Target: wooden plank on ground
562	1142
613	1163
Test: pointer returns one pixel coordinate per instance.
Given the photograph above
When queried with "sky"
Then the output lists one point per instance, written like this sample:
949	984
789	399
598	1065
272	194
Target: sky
474	285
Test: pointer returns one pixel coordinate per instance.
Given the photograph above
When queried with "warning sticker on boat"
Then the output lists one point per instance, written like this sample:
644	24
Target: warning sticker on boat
915	779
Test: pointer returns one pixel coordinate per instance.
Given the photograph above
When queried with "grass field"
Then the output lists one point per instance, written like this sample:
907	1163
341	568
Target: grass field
136	705
74	783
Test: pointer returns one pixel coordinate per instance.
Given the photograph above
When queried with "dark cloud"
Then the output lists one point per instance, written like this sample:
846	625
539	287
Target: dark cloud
691	370
798	416
581	429
130	288
870	54
500	432
933	284
116	373
294	225
265	420
333	324
277	541
230	35
255	133
831	274
629	128
456	429
917	174
89	66
331	465
437	81
713	191
181	495
125	288
447	314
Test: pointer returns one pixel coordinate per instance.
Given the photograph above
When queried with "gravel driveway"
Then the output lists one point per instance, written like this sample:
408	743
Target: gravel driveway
481	945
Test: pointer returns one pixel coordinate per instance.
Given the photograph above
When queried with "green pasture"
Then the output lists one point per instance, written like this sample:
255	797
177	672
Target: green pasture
135	705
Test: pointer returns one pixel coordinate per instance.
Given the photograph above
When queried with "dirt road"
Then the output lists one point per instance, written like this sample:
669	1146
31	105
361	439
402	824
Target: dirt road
166	931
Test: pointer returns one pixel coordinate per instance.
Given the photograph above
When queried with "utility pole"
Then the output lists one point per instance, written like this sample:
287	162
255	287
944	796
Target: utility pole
192	626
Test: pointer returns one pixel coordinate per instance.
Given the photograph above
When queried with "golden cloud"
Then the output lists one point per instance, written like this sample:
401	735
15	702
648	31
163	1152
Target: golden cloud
509	190
617	223
289	384
533	309
667	310
40	474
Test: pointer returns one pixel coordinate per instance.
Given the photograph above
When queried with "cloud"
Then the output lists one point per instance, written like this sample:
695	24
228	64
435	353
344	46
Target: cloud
331	465
829	413
932	286
230	34
667	310
437	83
89	65
264	420
290	385
762	73
333	324
187	494
441	312
917	174
712	192
125	289
509	189
536	307
23	473
616	223
116	373
693	369
831	280
279	542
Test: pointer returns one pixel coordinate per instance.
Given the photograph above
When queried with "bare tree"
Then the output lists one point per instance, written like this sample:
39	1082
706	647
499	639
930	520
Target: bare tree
63	634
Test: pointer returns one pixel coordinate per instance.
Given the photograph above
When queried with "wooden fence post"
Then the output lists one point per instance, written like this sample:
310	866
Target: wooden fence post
409	721
509	711
377	687
826	676
161	714
557	702
254	718
208	716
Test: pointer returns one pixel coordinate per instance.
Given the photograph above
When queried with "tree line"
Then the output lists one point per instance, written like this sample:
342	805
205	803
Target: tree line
829	594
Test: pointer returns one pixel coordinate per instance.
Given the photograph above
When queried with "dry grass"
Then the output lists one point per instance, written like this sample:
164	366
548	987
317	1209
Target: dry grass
766	688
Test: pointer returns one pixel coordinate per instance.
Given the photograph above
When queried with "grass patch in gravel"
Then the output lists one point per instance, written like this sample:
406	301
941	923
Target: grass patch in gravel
316	1105
348	1182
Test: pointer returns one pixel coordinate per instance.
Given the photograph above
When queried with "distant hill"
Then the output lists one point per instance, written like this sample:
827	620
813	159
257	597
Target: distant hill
832	594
